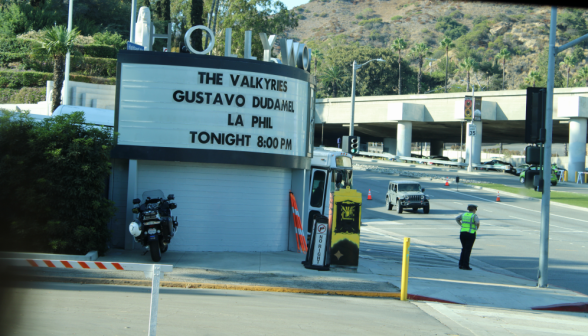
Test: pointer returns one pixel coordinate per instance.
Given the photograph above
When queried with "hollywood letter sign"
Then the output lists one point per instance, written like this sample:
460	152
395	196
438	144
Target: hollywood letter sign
293	53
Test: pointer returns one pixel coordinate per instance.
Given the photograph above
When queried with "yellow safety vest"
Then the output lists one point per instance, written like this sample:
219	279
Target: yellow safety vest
467	222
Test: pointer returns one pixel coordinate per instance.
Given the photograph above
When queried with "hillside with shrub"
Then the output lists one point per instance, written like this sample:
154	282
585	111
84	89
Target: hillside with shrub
478	32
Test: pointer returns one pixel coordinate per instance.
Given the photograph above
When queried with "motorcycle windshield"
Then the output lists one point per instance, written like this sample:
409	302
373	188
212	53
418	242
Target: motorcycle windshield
152	194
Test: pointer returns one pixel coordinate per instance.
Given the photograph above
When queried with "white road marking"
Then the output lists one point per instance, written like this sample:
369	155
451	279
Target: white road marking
525	219
514	206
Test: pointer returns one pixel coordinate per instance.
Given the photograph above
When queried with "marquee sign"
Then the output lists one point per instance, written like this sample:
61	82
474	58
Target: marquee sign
194	108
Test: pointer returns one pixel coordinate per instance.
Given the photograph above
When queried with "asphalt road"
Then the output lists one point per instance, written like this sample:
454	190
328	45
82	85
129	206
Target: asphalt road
92	310
509	233
483	176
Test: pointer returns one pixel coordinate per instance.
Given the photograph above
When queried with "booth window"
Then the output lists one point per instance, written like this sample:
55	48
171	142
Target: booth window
318	189
346	179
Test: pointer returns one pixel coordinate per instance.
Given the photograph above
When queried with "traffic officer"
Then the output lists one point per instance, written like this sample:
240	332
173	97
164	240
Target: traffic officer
469	223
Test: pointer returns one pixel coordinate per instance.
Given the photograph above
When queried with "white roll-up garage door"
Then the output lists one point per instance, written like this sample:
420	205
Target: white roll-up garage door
223	207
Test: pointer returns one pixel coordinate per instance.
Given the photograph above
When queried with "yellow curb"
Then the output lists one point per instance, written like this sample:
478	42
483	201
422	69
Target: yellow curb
176	284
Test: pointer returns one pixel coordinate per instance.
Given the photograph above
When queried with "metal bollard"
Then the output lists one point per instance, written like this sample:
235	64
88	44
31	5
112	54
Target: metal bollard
404	280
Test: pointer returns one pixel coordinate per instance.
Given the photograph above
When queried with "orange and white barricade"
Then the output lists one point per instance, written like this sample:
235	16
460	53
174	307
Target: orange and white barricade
300	236
152	271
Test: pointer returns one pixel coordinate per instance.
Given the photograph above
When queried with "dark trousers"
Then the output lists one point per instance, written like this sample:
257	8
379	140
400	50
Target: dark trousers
467	242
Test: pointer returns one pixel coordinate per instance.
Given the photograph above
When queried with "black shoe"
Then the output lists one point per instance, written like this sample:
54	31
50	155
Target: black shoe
465	268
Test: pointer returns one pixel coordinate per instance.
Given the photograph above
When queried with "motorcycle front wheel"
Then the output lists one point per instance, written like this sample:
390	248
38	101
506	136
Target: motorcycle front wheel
155	251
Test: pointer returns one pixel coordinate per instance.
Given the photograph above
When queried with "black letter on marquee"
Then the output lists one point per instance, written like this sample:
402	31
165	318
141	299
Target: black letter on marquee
206	135
193	135
239	120
245	82
178	99
235	79
242	100
199	98
229	99
230	141
274	84
218	98
201	76
190	100
255	102
230	123
267	81
285	86
254	120
208	94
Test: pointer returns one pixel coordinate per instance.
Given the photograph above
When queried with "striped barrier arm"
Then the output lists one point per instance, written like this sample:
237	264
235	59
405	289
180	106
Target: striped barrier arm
152	271
93	265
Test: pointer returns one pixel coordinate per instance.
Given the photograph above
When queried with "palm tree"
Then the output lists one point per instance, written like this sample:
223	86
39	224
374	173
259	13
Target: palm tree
317	54
466	66
333	75
583	74
57	42
420	51
398	45
533	77
447	44
568	63
504	54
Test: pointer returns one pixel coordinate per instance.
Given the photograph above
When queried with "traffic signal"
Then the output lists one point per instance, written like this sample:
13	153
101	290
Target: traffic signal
351	144
535	117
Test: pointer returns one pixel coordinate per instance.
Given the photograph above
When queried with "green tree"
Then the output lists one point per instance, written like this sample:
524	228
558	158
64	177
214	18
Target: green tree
259	16
503	55
57	42
399	44
55	171
568	63
111	39
446	44
467	66
450	27
582	74
420	51
334	76
533	77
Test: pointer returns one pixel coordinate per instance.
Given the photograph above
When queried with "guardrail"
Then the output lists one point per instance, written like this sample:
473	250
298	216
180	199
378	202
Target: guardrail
426	161
152	271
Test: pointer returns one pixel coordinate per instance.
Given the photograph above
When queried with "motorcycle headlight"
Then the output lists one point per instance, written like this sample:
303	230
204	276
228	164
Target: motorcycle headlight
423	197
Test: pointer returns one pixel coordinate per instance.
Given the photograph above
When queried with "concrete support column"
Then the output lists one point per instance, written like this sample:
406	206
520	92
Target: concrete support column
131	194
403	138
437	148
577	151
477	143
390	144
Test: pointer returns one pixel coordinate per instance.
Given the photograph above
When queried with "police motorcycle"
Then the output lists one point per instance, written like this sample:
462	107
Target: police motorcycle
155	225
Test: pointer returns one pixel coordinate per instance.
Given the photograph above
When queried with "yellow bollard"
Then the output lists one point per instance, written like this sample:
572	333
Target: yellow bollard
576	179
566	176
404	280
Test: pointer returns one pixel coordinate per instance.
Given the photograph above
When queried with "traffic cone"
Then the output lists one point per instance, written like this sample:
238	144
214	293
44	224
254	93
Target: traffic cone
498	197
447	182
369	194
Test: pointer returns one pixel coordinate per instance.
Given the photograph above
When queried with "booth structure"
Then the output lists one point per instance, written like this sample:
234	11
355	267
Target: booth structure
229	137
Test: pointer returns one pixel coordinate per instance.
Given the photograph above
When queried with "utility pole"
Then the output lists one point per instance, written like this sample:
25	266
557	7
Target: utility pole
544	236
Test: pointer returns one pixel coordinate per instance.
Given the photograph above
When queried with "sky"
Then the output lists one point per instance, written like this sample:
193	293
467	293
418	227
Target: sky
293	3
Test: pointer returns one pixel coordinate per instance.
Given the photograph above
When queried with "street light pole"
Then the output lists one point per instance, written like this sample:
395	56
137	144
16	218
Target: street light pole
355	67
470	168
352	99
67	58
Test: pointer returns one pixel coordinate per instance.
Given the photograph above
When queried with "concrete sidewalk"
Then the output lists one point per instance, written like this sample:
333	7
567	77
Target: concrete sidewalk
433	275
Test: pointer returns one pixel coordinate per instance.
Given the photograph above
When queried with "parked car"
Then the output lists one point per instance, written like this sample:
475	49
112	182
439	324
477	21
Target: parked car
499	166
553	175
519	169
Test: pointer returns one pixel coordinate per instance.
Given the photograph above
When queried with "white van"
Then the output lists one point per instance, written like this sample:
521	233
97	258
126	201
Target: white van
331	169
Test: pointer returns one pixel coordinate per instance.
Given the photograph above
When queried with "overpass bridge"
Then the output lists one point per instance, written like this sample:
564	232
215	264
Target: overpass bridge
399	120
